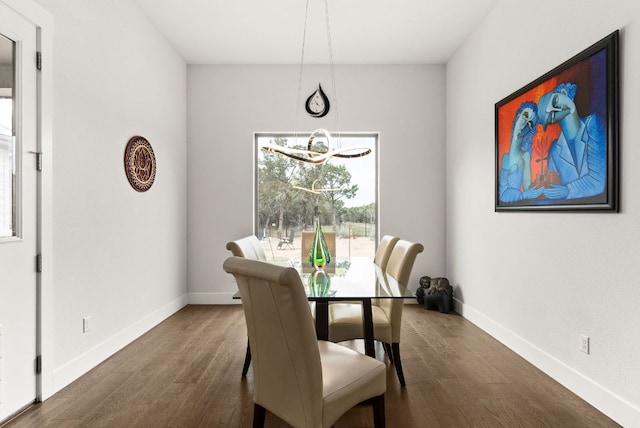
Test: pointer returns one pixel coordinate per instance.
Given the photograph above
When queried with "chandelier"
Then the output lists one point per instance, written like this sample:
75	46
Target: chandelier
317	105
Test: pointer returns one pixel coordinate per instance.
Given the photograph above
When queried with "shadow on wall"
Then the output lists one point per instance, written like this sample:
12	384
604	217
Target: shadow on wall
458	295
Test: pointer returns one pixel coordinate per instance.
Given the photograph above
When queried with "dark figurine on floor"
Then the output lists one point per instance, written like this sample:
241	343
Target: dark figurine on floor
435	293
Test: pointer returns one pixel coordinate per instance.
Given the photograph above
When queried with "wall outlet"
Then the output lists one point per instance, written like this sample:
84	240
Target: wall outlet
86	324
584	343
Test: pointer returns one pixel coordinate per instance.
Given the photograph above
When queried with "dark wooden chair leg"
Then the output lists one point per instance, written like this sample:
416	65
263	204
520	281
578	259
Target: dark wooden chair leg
259	414
388	351
247	360
378	412
397	363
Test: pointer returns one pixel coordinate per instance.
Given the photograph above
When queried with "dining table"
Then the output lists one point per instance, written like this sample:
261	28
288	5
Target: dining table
354	279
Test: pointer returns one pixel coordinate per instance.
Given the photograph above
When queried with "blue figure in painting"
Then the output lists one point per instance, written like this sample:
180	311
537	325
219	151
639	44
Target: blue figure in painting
579	155
515	172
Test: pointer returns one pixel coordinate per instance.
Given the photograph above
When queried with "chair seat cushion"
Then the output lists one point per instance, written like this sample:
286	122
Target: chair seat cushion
348	378
345	322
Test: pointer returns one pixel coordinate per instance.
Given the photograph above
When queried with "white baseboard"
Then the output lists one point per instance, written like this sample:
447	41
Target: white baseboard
212	299
67	373
615	407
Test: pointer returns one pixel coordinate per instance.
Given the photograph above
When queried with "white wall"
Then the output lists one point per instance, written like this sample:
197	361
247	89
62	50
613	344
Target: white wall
539	280
119	255
227	104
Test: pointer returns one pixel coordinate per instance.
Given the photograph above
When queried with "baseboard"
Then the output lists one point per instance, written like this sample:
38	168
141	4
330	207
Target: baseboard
67	373
212	299
615	407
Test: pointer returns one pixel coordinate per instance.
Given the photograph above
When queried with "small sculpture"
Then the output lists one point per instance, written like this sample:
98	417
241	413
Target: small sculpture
435	293
319	254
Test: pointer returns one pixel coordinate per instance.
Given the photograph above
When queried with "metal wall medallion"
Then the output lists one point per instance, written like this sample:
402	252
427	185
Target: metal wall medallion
140	163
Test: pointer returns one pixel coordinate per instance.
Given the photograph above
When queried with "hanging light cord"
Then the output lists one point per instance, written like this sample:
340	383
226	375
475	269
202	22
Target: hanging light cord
331	68
309	155
304	38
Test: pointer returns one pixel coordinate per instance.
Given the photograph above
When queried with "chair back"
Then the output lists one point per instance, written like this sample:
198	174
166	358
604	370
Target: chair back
305	247
384	250
248	247
286	360
382	257
398	271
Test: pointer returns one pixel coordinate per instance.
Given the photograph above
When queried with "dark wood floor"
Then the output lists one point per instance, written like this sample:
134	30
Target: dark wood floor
186	373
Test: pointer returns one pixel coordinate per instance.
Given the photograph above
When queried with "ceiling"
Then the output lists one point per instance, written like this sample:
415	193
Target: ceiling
270	31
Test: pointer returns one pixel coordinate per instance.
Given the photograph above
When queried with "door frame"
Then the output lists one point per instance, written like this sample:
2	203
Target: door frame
43	22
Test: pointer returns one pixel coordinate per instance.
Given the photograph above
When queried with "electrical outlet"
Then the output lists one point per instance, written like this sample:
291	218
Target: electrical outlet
584	343
86	325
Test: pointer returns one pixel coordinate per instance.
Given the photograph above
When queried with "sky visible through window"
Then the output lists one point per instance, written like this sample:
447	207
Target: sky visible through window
362	170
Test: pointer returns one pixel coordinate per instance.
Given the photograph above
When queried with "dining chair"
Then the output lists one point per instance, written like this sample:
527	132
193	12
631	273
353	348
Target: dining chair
383	252
381	258
304	381
248	247
345	319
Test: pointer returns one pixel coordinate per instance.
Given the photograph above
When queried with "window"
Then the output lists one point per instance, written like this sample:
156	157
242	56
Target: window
343	191
8	179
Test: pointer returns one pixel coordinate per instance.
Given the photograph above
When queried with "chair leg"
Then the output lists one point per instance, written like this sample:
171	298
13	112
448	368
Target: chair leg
247	360
259	414
388	351
378	412
397	363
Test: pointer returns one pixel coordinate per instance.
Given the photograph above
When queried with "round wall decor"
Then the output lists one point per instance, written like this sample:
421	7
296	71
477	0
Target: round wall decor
140	163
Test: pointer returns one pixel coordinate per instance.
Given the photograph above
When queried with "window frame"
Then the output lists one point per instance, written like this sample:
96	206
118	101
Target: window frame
374	135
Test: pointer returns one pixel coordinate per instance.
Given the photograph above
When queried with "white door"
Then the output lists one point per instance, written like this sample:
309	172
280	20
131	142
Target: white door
18	212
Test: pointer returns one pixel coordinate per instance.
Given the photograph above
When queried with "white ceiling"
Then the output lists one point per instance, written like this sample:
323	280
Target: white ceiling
270	31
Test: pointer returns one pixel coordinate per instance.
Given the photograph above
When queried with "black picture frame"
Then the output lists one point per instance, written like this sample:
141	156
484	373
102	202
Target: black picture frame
556	139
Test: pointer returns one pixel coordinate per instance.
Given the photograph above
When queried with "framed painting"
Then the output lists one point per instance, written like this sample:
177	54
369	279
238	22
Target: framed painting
557	138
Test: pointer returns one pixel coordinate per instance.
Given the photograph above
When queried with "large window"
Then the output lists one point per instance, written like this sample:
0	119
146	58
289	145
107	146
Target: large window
342	192
8	178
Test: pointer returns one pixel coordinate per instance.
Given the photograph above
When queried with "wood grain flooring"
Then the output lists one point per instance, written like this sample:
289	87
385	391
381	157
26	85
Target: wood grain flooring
186	373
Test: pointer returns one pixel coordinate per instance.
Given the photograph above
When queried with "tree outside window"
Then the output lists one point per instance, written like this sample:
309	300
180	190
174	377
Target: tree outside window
288	192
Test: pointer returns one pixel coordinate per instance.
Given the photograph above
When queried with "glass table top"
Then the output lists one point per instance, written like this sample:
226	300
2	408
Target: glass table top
355	278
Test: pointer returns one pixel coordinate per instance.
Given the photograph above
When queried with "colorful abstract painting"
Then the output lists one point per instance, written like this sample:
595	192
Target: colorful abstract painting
556	138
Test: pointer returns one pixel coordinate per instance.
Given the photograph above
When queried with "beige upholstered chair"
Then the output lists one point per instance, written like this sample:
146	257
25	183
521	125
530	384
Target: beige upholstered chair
382	256
345	319
248	247
305	246
384	251
381	259
303	381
